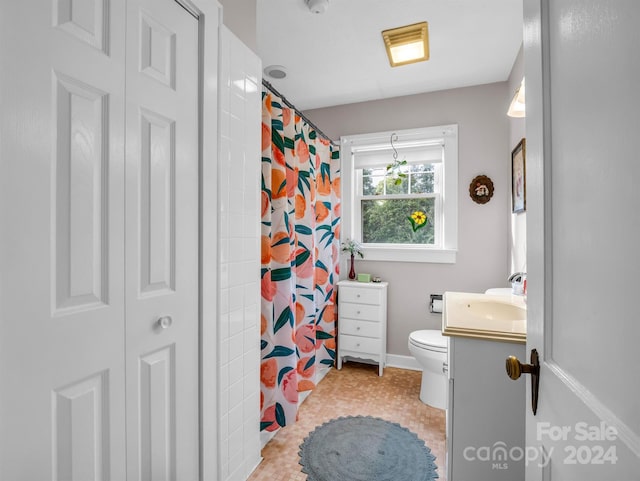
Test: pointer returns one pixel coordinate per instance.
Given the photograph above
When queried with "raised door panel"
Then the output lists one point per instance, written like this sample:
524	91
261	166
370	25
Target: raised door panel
157	51
158	415
81	430
88	20
157	203
80	227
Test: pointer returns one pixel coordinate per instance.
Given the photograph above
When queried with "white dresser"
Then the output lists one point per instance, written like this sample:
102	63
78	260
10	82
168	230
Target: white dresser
362	321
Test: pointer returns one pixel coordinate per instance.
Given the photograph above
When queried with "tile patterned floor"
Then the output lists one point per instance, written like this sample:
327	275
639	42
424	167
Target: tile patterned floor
355	390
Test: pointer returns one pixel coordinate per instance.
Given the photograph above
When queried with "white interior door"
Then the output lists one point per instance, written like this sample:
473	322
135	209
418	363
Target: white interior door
162	241
62	405
582	70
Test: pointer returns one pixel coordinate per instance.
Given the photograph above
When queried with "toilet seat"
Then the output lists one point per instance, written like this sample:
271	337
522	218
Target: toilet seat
429	339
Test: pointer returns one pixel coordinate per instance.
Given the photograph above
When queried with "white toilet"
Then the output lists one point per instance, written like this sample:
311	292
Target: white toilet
429	347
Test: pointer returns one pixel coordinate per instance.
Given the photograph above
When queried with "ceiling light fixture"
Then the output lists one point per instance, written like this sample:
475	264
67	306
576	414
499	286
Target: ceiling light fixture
517	106
275	71
317	6
407	44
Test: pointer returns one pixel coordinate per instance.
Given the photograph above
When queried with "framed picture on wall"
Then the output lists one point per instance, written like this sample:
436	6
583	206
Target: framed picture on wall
518	178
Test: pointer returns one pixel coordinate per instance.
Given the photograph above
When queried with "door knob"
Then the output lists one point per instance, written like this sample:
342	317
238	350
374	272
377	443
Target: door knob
515	369
165	322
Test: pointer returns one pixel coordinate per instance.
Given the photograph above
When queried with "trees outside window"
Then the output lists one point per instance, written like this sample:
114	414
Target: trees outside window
386	205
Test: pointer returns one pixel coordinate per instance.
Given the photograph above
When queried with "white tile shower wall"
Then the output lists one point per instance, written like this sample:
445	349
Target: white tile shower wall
239	258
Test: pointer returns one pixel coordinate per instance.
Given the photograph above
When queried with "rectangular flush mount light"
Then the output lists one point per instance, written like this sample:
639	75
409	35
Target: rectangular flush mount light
407	44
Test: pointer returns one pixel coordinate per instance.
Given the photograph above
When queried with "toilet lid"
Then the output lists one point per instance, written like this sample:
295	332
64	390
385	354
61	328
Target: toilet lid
429	339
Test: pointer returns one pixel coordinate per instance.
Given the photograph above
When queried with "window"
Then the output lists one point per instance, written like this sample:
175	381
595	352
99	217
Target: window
384	204
377	202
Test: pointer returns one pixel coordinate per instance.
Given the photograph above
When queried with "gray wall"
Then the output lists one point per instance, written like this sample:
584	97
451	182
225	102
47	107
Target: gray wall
484	148
240	17
518	239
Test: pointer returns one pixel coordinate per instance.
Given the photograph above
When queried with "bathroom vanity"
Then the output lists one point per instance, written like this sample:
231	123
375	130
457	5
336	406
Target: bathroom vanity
362	322
486	409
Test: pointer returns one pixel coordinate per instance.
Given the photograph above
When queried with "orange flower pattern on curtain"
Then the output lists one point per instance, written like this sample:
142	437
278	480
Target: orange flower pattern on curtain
300	236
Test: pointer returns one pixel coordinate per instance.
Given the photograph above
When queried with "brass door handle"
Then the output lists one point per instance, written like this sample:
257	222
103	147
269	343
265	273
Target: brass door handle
515	369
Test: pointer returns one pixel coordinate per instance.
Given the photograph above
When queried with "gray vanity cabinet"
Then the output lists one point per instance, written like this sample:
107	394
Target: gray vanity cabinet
486	412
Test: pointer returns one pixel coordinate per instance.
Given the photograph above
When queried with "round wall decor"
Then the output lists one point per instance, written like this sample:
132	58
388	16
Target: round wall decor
481	189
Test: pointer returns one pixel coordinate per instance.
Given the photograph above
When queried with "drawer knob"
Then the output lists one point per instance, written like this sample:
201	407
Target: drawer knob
358	312
357	295
358	328
358	345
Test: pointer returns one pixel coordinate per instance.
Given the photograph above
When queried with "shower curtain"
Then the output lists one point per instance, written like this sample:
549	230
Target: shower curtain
299	255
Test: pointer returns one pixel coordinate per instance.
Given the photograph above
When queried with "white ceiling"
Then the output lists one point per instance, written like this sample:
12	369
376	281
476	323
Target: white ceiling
339	57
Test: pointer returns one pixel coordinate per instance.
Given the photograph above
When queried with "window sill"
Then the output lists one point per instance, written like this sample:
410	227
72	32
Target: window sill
410	254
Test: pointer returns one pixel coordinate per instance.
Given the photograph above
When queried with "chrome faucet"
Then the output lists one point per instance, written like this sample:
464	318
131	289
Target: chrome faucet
517	277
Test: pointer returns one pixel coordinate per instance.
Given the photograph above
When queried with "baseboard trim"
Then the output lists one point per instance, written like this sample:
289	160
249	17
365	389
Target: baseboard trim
403	362
266	436
255	467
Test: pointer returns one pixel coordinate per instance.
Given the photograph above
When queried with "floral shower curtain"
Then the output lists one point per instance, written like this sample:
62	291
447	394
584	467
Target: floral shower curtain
300	262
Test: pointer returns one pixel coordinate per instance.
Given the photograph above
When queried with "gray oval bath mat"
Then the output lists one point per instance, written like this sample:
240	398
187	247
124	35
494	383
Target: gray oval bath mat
363	448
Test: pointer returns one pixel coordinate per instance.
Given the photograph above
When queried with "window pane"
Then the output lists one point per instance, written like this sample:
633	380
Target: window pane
378	181
422	183
385	221
421	167
397	186
373	181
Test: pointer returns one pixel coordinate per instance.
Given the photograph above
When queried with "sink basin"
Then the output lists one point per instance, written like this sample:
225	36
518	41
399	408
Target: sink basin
492	316
494	308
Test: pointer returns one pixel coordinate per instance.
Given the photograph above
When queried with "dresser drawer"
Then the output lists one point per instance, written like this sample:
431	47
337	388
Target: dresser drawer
365	345
359	328
359	311
361	295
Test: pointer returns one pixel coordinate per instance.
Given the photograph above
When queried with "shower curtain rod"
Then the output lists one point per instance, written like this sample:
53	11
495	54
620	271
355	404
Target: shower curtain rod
304	117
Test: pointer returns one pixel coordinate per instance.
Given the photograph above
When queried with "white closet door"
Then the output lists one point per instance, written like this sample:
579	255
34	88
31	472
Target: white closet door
162	241
66	328
62	405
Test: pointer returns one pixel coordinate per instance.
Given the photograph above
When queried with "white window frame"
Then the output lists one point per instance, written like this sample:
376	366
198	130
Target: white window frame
446	235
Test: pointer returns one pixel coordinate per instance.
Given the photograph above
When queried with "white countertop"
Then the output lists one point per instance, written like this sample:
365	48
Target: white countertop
485	316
